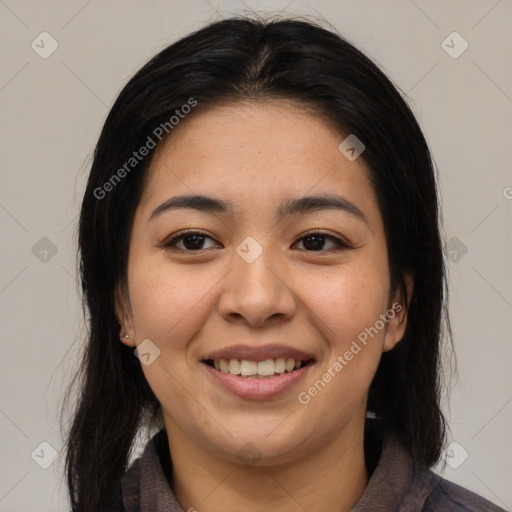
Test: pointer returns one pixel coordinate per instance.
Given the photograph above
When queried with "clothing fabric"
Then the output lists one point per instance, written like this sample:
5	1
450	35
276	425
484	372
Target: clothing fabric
396	483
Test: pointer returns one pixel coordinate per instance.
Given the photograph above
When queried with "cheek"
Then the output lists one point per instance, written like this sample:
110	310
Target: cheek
171	304
163	299
346	302
347	309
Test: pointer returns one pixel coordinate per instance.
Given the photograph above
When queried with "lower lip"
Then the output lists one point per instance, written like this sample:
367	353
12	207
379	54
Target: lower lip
257	389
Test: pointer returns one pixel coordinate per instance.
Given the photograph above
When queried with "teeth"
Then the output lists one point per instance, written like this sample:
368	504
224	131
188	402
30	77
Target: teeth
280	365
266	368
234	367
246	367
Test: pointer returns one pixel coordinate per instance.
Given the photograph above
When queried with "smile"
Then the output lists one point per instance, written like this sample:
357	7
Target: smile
254	386
266	369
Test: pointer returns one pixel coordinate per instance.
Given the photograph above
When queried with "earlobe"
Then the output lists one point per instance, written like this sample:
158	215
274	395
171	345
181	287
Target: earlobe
123	315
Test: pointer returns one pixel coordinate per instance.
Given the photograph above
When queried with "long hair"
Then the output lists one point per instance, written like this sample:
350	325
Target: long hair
235	60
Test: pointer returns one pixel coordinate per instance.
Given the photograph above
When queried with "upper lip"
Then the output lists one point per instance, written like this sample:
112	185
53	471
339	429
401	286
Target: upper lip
252	353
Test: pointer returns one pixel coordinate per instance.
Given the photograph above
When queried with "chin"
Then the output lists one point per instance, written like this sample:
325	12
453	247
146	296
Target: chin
258	443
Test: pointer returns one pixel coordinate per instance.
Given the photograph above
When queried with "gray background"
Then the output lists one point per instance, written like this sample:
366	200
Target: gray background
52	111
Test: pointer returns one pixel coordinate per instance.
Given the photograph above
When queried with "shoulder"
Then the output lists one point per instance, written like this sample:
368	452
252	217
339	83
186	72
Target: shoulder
449	496
399	482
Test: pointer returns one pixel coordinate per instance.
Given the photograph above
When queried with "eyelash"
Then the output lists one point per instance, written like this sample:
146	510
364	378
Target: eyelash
170	243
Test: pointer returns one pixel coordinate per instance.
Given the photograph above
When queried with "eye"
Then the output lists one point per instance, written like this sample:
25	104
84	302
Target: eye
315	241
192	241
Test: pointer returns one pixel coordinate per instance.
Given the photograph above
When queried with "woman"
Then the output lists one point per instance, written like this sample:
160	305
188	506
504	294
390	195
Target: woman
262	263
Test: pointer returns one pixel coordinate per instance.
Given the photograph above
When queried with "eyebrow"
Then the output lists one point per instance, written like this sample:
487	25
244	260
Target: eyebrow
294	206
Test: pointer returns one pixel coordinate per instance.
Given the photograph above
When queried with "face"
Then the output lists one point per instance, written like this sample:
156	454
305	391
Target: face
266	279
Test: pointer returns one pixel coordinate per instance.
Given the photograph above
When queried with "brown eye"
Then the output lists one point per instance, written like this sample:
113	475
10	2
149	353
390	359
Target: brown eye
316	240
192	241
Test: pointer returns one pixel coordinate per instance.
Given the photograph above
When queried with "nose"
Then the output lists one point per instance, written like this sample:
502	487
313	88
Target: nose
257	293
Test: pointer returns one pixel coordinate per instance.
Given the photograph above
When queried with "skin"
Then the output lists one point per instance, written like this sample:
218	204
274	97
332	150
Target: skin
190	303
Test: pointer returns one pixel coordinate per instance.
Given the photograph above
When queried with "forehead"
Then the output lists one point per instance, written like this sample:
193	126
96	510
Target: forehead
256	154
266	133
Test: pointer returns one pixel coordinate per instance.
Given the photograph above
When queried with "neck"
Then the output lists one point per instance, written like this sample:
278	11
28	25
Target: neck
333	478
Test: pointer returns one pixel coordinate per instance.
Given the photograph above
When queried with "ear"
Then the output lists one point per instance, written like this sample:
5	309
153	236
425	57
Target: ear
123	312
397	314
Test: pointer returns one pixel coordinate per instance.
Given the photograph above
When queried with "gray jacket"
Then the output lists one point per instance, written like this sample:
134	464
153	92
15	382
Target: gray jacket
396	484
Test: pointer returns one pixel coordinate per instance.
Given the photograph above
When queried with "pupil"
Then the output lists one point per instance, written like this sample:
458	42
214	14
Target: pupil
196	244
318	244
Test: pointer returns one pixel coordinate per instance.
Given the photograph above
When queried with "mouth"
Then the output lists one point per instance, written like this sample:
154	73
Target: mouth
256	372
270	368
